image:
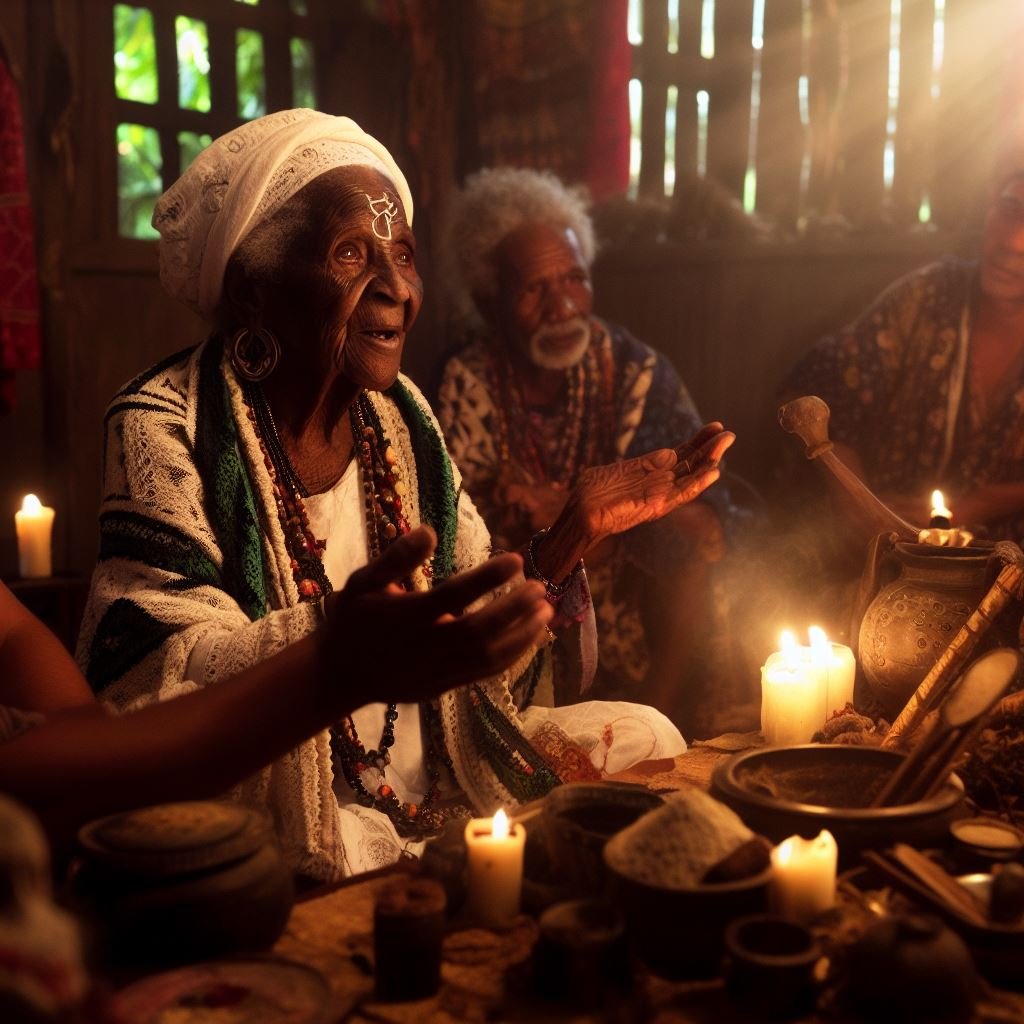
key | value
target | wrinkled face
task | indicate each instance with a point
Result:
(544, 295)
(1002, 253)
(346, 291)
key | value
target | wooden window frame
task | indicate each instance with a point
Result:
(97, 219)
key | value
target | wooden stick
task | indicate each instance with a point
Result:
(905, 880)
(807, 417)
(945, 670)
(940, 882)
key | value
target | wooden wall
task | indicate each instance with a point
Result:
(732, 317)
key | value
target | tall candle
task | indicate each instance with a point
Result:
(803, 881)
(33, 523)
(495, 863)
(794, 689)
(801, 686)
(840, 670)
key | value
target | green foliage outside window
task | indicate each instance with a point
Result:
(193, 64)
(139, 179)
(303, 76)
(134, 54)
(252, 96)
(190, 145)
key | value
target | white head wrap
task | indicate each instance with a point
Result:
(241, 179)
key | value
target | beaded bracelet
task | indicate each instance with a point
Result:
(554, 590)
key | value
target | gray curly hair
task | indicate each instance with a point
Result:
(492, 204)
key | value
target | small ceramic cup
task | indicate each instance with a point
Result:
(769, 966)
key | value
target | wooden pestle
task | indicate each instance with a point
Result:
(807, 417)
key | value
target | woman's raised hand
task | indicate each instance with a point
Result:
(405, 645)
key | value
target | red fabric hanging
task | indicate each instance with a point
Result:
(550, 83)
(19, 292)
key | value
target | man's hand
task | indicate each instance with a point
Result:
(398, 645)
(611, 499)
(614, 498)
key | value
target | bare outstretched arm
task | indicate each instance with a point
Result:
(85, 762)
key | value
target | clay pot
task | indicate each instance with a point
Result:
(922, 596)
(769, 966)
(912, 970)
(578, 820)
(182, 882)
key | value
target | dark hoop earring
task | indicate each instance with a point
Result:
(254, 353)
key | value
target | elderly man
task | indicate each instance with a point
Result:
(541, 389)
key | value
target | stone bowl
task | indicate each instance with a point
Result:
(800, 790)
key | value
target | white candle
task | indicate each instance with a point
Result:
(803, 881)
(839, 667)
(794, 688)
(495, 861)
(33, 523)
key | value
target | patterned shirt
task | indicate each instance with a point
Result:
(897, 382)
(630, 401)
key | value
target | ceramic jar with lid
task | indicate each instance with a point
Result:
(182, 882)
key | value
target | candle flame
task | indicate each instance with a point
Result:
(819, 641)
(939, 505)
(499, 825)
(31, 503)
(784, 851)
(788, 644)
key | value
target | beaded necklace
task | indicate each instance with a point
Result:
(583, 440)
(383, 489)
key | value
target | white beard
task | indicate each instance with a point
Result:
(561, 359)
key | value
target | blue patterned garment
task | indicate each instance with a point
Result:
(891, 381)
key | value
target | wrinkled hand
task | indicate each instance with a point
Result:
(614, 498)
(401, 646)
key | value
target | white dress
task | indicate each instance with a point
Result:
(369, 838)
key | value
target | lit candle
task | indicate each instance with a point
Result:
(495, 861)
(940, 515)
(941, 532)
(839, 667)
(803, 881)
(33, 523)
(794, 691)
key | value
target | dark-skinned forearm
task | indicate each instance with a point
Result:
(558, 552)
(82, 765)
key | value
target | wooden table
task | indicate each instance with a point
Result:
(486, 973)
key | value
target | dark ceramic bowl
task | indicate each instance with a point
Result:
(579, 818)
(784, 791)
(769, 966)
(182, 882)
(678, 932)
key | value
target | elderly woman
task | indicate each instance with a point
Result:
(255, 485)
